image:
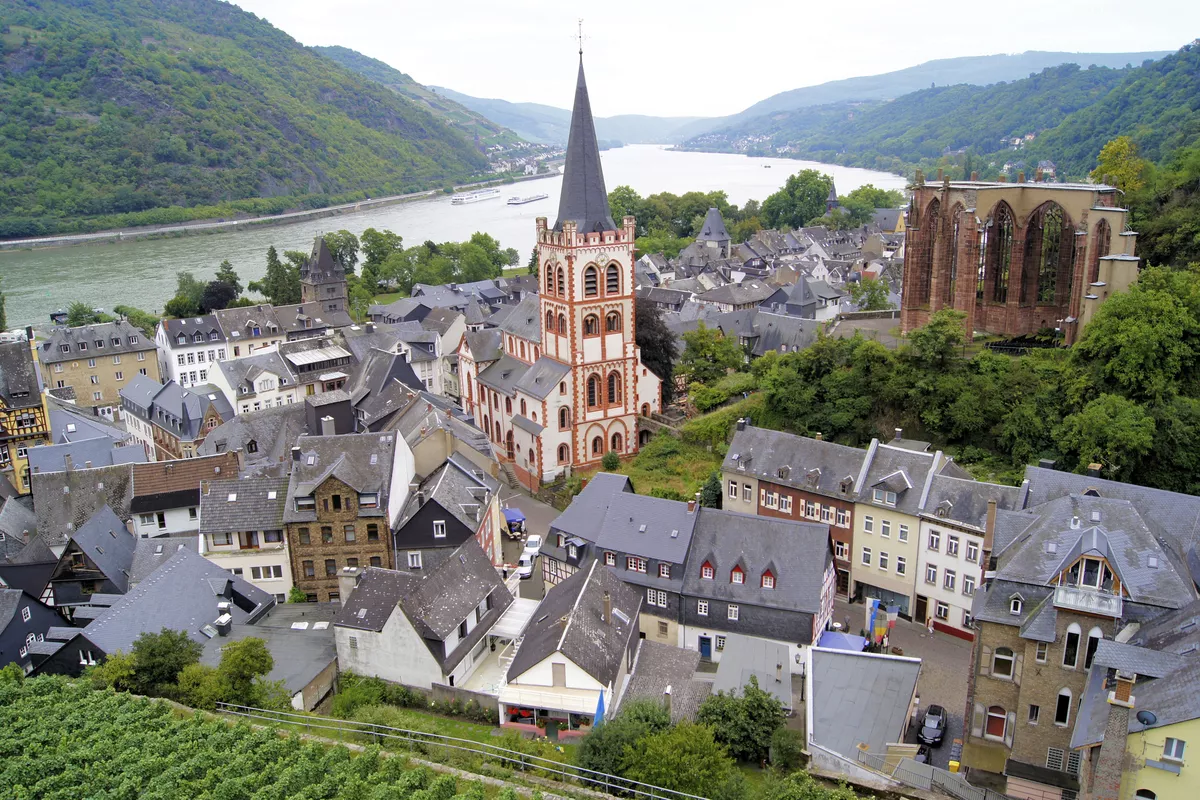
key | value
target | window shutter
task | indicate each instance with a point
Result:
(1017, 668)
(985, 660)
(977, 720)
(1008, 729)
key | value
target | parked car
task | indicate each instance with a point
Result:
(924, 755)
(532, 545)
(525, 565)
(933, 727)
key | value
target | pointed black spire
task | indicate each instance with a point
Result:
(584, 199)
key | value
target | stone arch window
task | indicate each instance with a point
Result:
(562, 282)
(1062, 708)
(593, 391)
(508, 405)
(1050, 248)
(549, 280)
(614, 388)
(645, 409)
(532, 460)
(1094, 637)
(1071, 646)
(923, 274)
(591, 325)
(612, 322)
(521, 345)
(564, 419)
(952, 276)
(523, 412)
(997, 252)
(591, 282)
(1002, 662)
(487, 424)
(550, 322)
(597, 445)
(618, 443)
(562, 324)
(564, 454)
(612, 279)
(1099, 250)
(497, 430)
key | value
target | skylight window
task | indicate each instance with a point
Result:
(232, 496)
(312, 460)
(271, 495)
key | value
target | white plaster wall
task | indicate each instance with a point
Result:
(542, 674)
(958, 602)
(178, 521)
(403, 469)
(891, 544)
(395, 654)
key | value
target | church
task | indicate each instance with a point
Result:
(560, 382)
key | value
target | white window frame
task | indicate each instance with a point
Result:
(883, 560)
(414, 559)
(866, 557)
(733, 490)
(901, 565)
(702, 608)
(732, 613)
(931, 572)
(885, 528)
(1173, 749)
(439, 529)
(868, 524)
(935, 541)
(942, 610)
(903, 534)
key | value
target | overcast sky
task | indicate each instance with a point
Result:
(706, 58)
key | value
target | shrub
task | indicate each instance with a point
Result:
(611, 462)
(787, 749)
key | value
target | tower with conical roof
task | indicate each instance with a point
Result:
(323, 279)
(587, 310)
(831, 202)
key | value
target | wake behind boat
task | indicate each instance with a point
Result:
(520, 201)
(463, 198)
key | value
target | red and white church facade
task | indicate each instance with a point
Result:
(560, 381)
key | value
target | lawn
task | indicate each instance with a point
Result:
(668, 467)
(389, 297)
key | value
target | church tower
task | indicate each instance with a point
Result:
(323, 280)
(587, 302)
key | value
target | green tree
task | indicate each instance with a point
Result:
(200, 686)
(115, 672)
(603, 749)
(158, 658)
(802, 198)
(800, 785)
(378, 246)
(940, 339)
(610, 462)
(532, 266)
(657, 343)
(871, 294)
(710, 493)
(79, 313)
(216, 296)
(281, 284)
(511, 256)
(685, 757)
(343, 246)
(1112, 431)
(623, 201)
(243, 664)
(146, 323)
(743, 724)
(708, 355)
(226, 274)
(875, 198)
(1119, 162)
(296, 595)
(400, 268)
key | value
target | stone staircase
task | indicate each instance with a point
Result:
(510, 477)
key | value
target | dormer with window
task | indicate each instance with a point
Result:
(181, 339)
(813, 477)
(308, 503)
(884, 496)
(1016, 604)
(783, 472)
(706, 571)
(768, 580)
(846, 485)
(737, 575)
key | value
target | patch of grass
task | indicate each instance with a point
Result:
(666, 465)
(388, 297)
(515, 272)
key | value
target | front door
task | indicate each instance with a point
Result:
(922, 609)
(705, 648)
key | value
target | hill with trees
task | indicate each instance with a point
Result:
(128, 112)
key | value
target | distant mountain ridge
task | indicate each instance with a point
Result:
(135, 112)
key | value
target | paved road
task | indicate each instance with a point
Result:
(538, 517)
(945, 662)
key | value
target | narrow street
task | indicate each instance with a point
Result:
(538, 517)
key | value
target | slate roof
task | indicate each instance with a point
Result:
(109, 545)
(1141, 660)
(381, 385)
(527, 425)
(893, 467)
(569, 621)
(18, 378)
(376, 595)
(461, 488)
(967, 500)
(238, 323)
(796, 553)
(99, 452)
(18, 525)
(486, 345)
(887, 218)
(738, 294)
(293, 317)
(252, 509)
(429, 413)
(273, 431)
(64, 501)
(779, 331)
(713, 229)
(403, 309)
(525, 319)
(321, 266)
(584, 517)
(205, 325)
(150, 554)
(583, 200)
(440, 320)
(658, 667)
(140, 391)
(767, 453)
(131, 340)
(859, 698)
(36, 552)
(362, 461)
(362, 339)
(32, 578)
(10, 601)
(243, 372)
(504, 374)
(1176, 631)
(299, 655)
(182, 595)
(992, 603)
(1172, 698)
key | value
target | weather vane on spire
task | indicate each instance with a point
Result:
(580, 36)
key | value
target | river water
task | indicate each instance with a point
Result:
(142, 273)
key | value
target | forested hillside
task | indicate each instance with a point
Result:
(454, 114)
(111, 111)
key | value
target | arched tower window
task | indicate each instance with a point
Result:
(597, 446)
(591, 325)
(952, 278)
(593, 391)
(612, 280)
(618, 442)
(591, 282)
(550, 322)
(612, 322)
(549, 280)
(563, 454)
(562, 282)
(562, 325)
(564, 419)
(523, 412)
(1053, 239)
(614, 388)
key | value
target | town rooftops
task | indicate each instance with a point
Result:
(571, 620)
(18, 524)
(18, 379)
(240, 323)
(362, 461)
(68, 425)
(525, 320)
(542, 377)
(242, 504)
(584, 517)
(966, 501)
(310, 317)
(376, 595)
(243, 373)
(150, 554)
(105, 540)
(461, 488)
(739, 294)
(180, 333)
(83, 454)
(94, 341)
(504, 374)
(64, 501)
(264, 437)
(169, 484)
(814, 465)
(485, 345)
(859, 698)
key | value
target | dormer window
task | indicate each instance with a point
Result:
(846, 485)
(198, 337)
(737, 576)
(306, 504)
(99, 344)
(83, 345)
(768, 580)
(212, 337)
(572, 551)
(885, 496)
(257, 331)
(706, 571)
(133, 340)
(1015, 605)
(182, 339)
(116, 342)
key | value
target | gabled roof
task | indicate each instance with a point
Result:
(382, 385)
(166, 477)
(895, 468)
(737, 294)
(504, 374)
(129, 340)
(238, 323)
(205, 326)
(485, 345)
(584, 517)
(18, 526)
(860, 698)
(97, 452)
(272, 431)
(789, 460)
(461, 488)
(524, 321)
(105, 540)
(376, 595)
(570, 621)
(312, 316)
(542, 377)
(64, 501)
(321, 266)
(362, 461)
(242, 504)
(713, 229)
(150, 554)
(18, 379)
(583, 200)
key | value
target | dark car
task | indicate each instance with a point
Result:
(924, 755)
(933, 727)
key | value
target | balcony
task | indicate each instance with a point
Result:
(1089, 601)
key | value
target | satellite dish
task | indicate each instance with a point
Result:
(1147, 718)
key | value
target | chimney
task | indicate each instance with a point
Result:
(224, 622)
(87, 465)
(607, 618)
(820, 437)
(420, 499)
(327, 426)
(1021, 176)
(370, 327)
(941, 174)
(667, 699)
(1094, 469)
(899, 433)
(347, 580)
(974, 176)
(989, 538)
(67, 463)
(1110, 763)
(296, 454)
(741, 423)
(1037, 176)
(1003, 178)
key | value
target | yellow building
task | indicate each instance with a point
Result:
(23, 418)
(97, 361)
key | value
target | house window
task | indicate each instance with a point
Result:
(785, 503)
(997, 721)
(733, 490)
(348, 532)
(303, 534)
(26, 614)
(656, 598)
(720, 642)
(768, 581)
(376, 561)
(414, 560)
(943, 611)
(1062, 709)
(663, 628)
(330, 568)
(840, 550)
(308, 569)
(901, 565)
(885, 528)
(572, 551)
(635, 564)
(949, 579)
(972, 552)
(706, 571)
(702, 608)
(843, 518)
(904, 533)
(1173, 749)
(1042, 650)
(439, 529)
(1034, 713)
(951, 545)
(326, 534)
(1094, 637)
(968, 586)
(1071, 646)
(935, 540)
(610, 559)
(732, 613)
(868, 524)
(564, 454)
(866, 556)
(931, 573)
(664, 571)
(883, 560)
(1002, 662)
(1015, 605)
(746, 493)
(737, 576)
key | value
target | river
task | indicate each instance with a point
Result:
(141, 273)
